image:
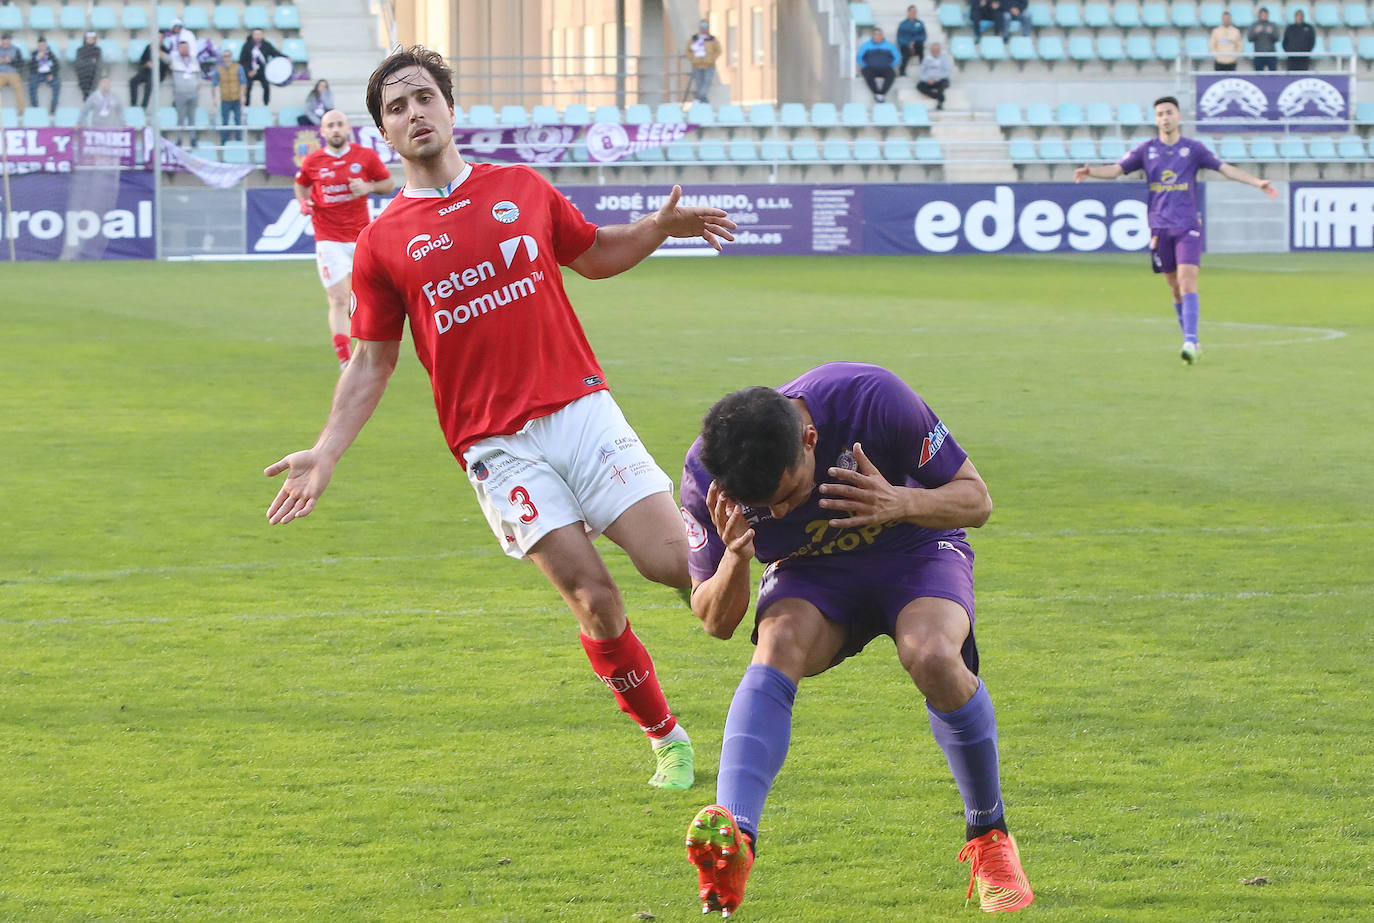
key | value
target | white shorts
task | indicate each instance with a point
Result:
(334, 260)
(582, 463)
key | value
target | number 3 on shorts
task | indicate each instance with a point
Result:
(521, 497)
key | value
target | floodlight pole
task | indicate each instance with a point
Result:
(620, 56)
(155, 62)
(5, 165)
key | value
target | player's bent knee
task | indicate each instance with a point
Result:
(933, 663)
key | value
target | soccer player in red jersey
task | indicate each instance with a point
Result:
(470, 255)
(332, 187)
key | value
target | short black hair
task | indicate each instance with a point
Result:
(1167, 99)
(414, 56)
(749, 439)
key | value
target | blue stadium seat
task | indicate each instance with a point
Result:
(111, 49)
(11, 20)
(854, 114)
(730, 114)
(253, 116)
(681, 151)
(72, 18)
(916, 115)
(196, 19)
(1052, 148)
(824, 113)
(1081, 49)
(962, 48)
(514, 116)
(1112, 149)
(928, 150)
(1263, 148)
(763, 115)
(1131, 114)
(35, 117)
(1293, 148)
(992, 48)
(1154, 15)
(256, 16)
(1209, 14)
(1082, 149)
(712, 150)
(227, 18)
(66, 50)
(205, 151)
(544, 114)
(806, 149)
(1021, 48)
(604, 115)
(1039, 115)
(135, 116)
(482, 116)
(1099, 114)
(1097, 15)
(238, 152)
(66, 117)
(166, 15)
(294, 48)
(1320, 148)
(9, 118)
(1351, 147)
(1197, 47)
(1140, 49)
(862, 15)
(1110, 49)
(1069, 114)
(793, 115)
(1356, 15)
(898, 150)
(650, 155)
(232, 45)
(885, 115)
(836, 150)
(952, 15)
(1168, 47)
(288, 115)
(1232, 149)
(667, 113)
(743, 149)
(1041, 14)
(773, 150)
(867, 149)
(1126, 15)
(1242, 14)
(1067, 15)
(1341, 46)
(638, 114)
(697, 114)
(1022, 150)
(42, 19)
(1183, 15)
(286, 17)
(1008, 114)
(1366, 48)
(1051, 48)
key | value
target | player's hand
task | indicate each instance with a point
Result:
(359, 187)
(864, 494)
(728, 518)
(309, 476)
(1268, 188)
(306, 208)
(711, 224)
(1082, 173)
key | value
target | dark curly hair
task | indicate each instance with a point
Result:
(414, 56)
(749, 440)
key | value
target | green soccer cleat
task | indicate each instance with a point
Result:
(1190, 353)
(676, 766)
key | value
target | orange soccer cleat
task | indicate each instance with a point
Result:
(996, 864)
(723, 855)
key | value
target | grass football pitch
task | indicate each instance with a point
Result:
(372, 714)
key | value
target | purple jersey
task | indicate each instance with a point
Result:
(849, 402)
(1171, 171)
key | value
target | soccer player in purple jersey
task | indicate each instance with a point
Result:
(853, 492)
(1171, 162)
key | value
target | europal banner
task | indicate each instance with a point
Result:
(1331, 216)
(1298, 101)
(86, 215)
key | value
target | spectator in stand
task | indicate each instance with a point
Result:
(11, 59)
(178, 34)
(88, 61)
(986, 14)
(1014, 11)
(186, 79)
(44, 71)
(257, 51)
(702, 51)
(911, 39)
(229, 82)
(1264, 35)
(102, 108)
(878, 60)
(933, 80)
(317, 102)
(1226, 44)
(1298, 40)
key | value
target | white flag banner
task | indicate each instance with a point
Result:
(211, 172)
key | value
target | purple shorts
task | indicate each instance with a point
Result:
(1171, 247)
(866, 592)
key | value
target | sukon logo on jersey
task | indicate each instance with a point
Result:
(934, 439)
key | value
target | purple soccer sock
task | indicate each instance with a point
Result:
(758, 730)
(1178, 312)
(968, 736)
(1190, 313)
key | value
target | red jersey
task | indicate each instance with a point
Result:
(338, 215)
(475, 267)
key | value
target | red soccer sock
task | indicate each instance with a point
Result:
(341, 347)
(624, 665)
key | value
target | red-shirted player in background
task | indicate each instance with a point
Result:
(470, 255)
(332, 187)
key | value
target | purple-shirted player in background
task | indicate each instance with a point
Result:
(852, 491)
(1171, 163)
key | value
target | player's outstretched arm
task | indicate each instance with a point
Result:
(621, 246)
(1104, 171)
(870, 499)
(1240, 176)
(722, 600)
(359, 390)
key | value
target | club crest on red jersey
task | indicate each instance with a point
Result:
(505, 211)
(934, 439)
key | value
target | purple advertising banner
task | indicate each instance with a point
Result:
(38, 150)
(1297, 101)
(87, 215)
(1331, 216)
(107, 147)
(286, 147)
